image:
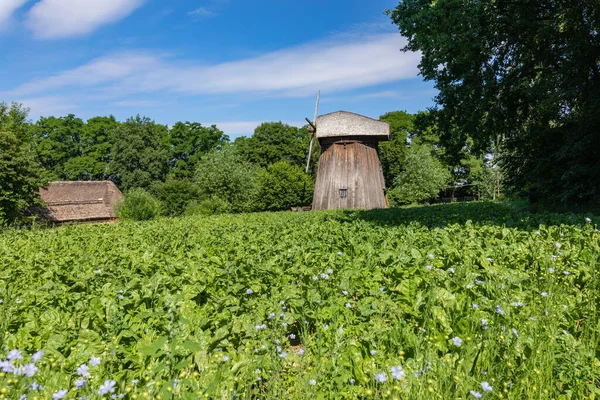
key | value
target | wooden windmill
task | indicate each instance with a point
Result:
(349, 173)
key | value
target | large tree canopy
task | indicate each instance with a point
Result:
(522, 75)
(273, 142)
(140, 153)
(19, 174)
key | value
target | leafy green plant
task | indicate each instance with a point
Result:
(139, 205)
(414, 303)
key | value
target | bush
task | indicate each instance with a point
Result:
(211, 206)
(422, 179)
(175, 195)
(139, 205)
(282, 186)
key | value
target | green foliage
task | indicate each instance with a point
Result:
(211, 206)
(222, 174)
(392, 153)
(175, 195)
(169, 300)
(283, 186)
(189, 141)
(522, 76)
(56, 143)
(272, 142)
(422, 178)
(19, 175)
(139, 205)
(140, 153)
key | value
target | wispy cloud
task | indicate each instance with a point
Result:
(331, 65)
(7, 8)
(53, 19)
(202, 12)
(48, 105)
(239, 128)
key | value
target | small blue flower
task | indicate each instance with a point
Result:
(314, 278)
(345, 292)
(312, 382)
(37, 356)
(107, 387)
(486, 387)
(261, 327)
(499, 310)
(324, 276)
(348, 305)
(373, 352)
(83, 370)
(29, 370)
(457, 341)
(398, 373)
(292, 336)
(249, 291)
(225, 358)
(94, 361)
(381, 377)
(544, 294)
(283, 355)
(272, 315)
(475, 394)
(80, 383)
(14, 355)
(429, 267)
(300, 352)
(475, 305)
(330, 271)
(61, 394)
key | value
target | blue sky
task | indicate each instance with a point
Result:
(234, 63)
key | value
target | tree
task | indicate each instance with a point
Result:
(19, 173)
(56, 143)
(222, 174)
(189, 141)
(96, 142)
(421, 179)
(522, 76)
(283, 186)
(140, 153)
(392, 153)
(272, 142)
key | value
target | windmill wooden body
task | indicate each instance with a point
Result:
(349, 173)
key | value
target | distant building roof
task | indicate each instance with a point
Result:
(344, 123)
(79, 201)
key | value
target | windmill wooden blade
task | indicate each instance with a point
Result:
(314, 126)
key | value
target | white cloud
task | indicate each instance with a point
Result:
(202, 12)
(238, 128)
(52, 19)
(48, 105)
(7, 8)
(331, 66)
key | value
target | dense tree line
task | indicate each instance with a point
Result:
(189, 168)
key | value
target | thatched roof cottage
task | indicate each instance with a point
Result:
(79, 201)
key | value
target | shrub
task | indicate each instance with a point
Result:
(422, 179)
(210, 206)
(139, 205)
(175, 195)
(282, 186)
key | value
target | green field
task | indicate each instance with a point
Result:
(416, 303)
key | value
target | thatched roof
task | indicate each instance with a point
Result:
(344, 123)
(79, 201)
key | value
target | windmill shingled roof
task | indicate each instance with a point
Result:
(344, 123)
